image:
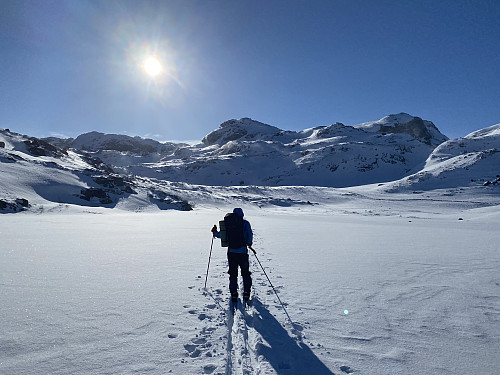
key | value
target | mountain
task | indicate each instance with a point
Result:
(248, 152)
(35, 172)
(244, 160)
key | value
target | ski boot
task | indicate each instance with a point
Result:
(234, 297)
(246, 296)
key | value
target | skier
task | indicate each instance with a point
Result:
(239, 235)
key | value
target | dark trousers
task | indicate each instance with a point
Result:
(236, 260)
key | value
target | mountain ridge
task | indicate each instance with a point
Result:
(238, 153)
(398, 153)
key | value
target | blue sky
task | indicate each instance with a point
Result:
(69, 67)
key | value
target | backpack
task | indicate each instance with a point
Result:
(231, 230)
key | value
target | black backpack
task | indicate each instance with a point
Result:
(233, 224)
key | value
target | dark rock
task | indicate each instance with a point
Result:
(22, 202)
(116, 184)
(129, 190)
(346, 369)
(415, 127)
(2, 144)
(110, 181)
(185, 206)
(90, 193)
(98, 163)
(106, 200)
(168, 201)
(39, 147)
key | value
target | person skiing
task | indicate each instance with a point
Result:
(239, 237)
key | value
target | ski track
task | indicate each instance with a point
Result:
(252, 339)
(402, 313)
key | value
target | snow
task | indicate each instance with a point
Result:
(394, 277)
(491, 131)
(109, 291)
(459, 162)
(321, 156)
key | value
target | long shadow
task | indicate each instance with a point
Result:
(286, 354)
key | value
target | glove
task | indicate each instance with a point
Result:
(251, 248)
(214, 229)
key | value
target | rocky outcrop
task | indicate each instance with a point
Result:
(39, 147)
(19, 204)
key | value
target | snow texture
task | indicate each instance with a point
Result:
(116, 292)
(388, 269)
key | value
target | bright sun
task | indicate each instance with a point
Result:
(152, 66)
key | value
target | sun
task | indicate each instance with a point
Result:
(152, 66)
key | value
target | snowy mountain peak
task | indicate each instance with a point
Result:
(242, 129)
(423, 130)
(492, 131)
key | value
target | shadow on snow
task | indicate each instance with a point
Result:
(286, 354)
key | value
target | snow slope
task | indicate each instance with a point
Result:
(372, 286)
(36, 175)
(472, 160)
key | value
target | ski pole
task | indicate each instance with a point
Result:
(270, 283)
(210, 256)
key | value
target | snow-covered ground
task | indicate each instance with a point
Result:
(374, 284)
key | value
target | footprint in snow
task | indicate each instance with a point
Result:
(197, 345)
(207, 331)
(203, 316)
(195, 354)
(192, 350)
(208, 369)
(346, 369)
(297, 329)
(199, 341)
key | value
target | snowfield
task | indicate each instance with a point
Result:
(105, 245)
(406, 285)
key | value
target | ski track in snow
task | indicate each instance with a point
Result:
(83, 296)
(256, 341)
